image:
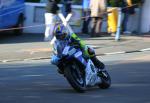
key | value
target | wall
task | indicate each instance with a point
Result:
(145, 25)
(32, 18)
(134, 20)
(35, 16)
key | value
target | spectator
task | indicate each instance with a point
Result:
(86, 13)
(67, 7)
(128, 10)
(98, 8)
(50, 18)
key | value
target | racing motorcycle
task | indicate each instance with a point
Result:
(79, 71)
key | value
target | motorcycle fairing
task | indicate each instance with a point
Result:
(74, 53)
(91, 74)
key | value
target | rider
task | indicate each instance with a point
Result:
(62, 34)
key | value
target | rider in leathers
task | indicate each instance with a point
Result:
(62, 34)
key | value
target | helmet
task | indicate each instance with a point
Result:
(60, 32)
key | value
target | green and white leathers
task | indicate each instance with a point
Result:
(76, 40)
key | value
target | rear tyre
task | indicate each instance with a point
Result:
(106, 81)
(19, 25)
(75, 76)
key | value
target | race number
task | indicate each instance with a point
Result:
(78, 54)
(65, 51)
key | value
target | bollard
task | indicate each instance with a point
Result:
(117, 37)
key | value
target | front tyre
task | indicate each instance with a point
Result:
(75, 76)
(106, 81)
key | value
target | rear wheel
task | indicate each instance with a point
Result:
(75, 76)
(19, 25)
(106, 81)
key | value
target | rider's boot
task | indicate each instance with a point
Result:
(100, 66)
(98, 63)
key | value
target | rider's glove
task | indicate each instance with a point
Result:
(89, 51)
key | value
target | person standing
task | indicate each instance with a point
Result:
(127, 9)
(86, 14)
(67, 7)
(50, 18)
(98, 8)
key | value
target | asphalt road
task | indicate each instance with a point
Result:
(39, 82)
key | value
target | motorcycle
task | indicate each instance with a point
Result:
(79, 71)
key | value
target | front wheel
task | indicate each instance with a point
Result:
(106, 81)
(75, 76)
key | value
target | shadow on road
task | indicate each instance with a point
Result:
(130, 84)
(10, 38)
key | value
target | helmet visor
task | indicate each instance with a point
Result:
(61, 36)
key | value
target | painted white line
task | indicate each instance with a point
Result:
(33, 97)
(39, 58)
(4, 61)
(147, 49)
(10, 60)
(36, 58)
(94, 46)
(32, 75)
(122, 52)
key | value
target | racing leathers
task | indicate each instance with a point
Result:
(87, 50)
